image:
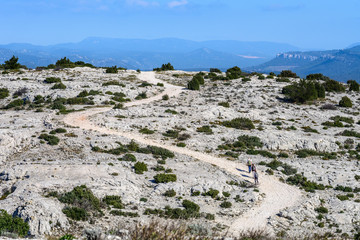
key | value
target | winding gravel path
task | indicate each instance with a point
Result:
(277, 194)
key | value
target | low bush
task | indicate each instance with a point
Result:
(317, 76)
(171, 133)
(124, 214)
(140, 167)
(76, 213)
(302, 181)
(333, 86)
(50, 139)
(205, 129)
(13, 224)
(199, 77)
(263, 153)
(345, 102)
(165, 178)
(350, 133)
(58, 130)
(4, 93)
(165, 67)
(79, 101)
(224, 104)
(233, 73)
(321, 209)
(50, 80)
(146, 131)
(303, 153)
(239, 123)
(81, 197)
(353, 85)
(213, 193)
(246, 80)
(170, 193)
(15, 103)
(165, 97)
(215, 70)
(59, 86)
(141, 96)
(226, 204)
(303, 91)
(171, 111)
(112, 69)
(287, 74)
(114, 201)
(113, 82)
(193, 85)
(128, 158)
(162, 152)
(283, 80)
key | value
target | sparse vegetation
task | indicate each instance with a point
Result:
(12, 224)
(239, 123)
(140, 167)
(165, 178)
(165, 67)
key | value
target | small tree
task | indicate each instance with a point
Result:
(353, 85)
(12, 63)
(345, 102)
(287, 74)
(233, 73)
(193, 85)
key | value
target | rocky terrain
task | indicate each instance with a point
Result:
(141, 147)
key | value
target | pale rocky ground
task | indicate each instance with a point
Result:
(30, 169)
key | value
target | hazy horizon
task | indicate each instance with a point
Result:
(304, 24)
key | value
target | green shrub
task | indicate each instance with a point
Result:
(353, 85)
(261, 77)
(287, 74)
(213, 193)
(321, 209)
(146, 131)
(342, 197)
(4, 93)
(76, 213)
(193, 85)
(165, 97)
(274, 164)
(181, 144)
(79, 101)
(303, 153)
(124, 214)
(113, 82)
(112, 69)
(233, 73)
(50, 80)
(12, 63)
(303, 91)
(170, 193)
(171, 111)
(162, 152)
(345, 102)
(333, 86)
(165, 178)
(226, 194)
(205, 129)
(141, 96)
(67, 237)
(215, 70)
(13, 224)
(81, 197)
(59, 86)
(58, 130)
(224, 104)
(114, 201)
(15, 103)
(239, 123)
(171, 133)
(198, 77)
(158, 168)
(283, 155)
(246, 80)
(283, 80)
(226, 204)
(317, 76)
(302, 181)
(350, 133)
(349, 120)
(190, 207)
(263, 153)
(165, 67)
(50, 139)
(128, 158)
(195, 193)
(140, 167)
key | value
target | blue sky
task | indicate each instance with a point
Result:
(311, 24)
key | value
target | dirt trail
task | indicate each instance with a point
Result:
(277, 194)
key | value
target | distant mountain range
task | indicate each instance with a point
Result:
(148, 54)
(341, 65)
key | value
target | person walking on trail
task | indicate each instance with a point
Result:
(256, 177)
(253, 168)
(249, 163)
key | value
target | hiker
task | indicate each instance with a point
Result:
(253, 168)
(249, 163)
(256, 177)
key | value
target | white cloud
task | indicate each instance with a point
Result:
(177, 3)
(142, 3)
